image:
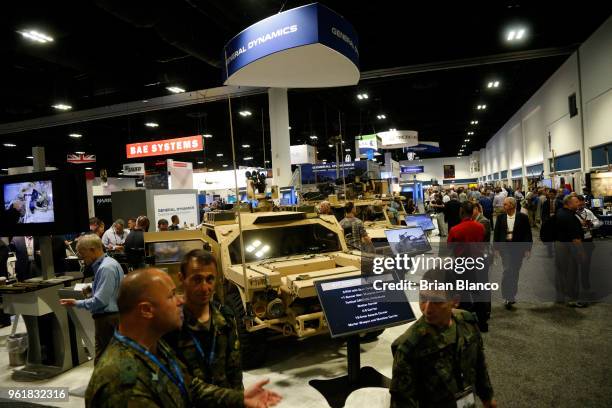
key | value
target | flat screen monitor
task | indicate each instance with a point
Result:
(172, 251)
(597, 203)
(411, 241)
(359, 304)
(421, 220)
(44, 203)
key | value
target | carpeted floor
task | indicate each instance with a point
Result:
(546, 355)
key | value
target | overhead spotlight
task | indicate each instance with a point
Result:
(29, 157)
(362, 96)
(175, 89)
(151, 124)
(246, 146)
(516, 34)
(36, 36)
(248, 158)
(61, 106)
(474, 122)
(347, 150)
(381, 116)
(331, 145)
(80, 152)
(393, 130)
(75, 135)
(225, 165)
(289, 127)
(207, 136)
(200, 162)
(466, 140)
(493, 84)
(245, 113)
(211, 169)
(481, 107)
(470, 133)
(313, 137)
(219, 154)
(10, 145)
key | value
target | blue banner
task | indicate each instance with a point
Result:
(412, 169)
(306, 25)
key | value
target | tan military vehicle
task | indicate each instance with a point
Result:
(273, 290)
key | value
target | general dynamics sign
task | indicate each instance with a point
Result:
(309, 46)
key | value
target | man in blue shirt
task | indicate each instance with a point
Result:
(103, 302)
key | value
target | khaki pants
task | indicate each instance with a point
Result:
(105, 325)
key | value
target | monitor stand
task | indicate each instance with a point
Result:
(337, 390)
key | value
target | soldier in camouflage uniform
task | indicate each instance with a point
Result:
(354, 231)
(440, 361)
(208, 341)
(138, 369)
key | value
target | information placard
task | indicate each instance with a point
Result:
(360, 304)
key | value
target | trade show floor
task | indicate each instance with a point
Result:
(539, 355)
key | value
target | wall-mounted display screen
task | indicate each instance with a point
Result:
(29, 202)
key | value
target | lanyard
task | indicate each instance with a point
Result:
(208, 360)
(177, 378)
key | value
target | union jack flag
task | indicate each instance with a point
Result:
(81, 158)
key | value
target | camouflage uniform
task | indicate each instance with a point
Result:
(424, 362)
(125, 377)
(223, 375)
(353, 226)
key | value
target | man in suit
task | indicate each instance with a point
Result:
(513, 242)
(452, 210)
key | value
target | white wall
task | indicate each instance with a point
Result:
(434, 168)
(523, 140)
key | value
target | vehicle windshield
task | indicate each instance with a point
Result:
(278, 242)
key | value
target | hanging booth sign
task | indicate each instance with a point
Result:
(134, 169)
(396, 139)
(80, 158)
(367, 143)
(425, 147)
(279, 51)
(412, 169)
(301, 154)
(164, 147)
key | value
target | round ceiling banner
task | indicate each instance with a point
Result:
(305, 47)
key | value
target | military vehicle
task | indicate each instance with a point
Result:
(273, 291)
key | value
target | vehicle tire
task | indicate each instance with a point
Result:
(252, 345)
(370, 336)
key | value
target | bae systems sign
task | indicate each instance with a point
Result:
(165, 147)
(272, 52)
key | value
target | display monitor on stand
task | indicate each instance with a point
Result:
(354, 307)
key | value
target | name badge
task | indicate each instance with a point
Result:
(466, 399)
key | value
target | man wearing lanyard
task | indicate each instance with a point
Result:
(114, 237)
(439, 361)
(207, 343)
(589, 222)
(138, 369)
(103, 303)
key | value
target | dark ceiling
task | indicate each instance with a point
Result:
(111, 51)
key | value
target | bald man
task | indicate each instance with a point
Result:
(138, 369)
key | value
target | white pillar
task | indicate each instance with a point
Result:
(279, 130)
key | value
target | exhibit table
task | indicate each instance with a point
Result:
(47, 324)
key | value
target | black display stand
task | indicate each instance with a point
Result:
(337, 390)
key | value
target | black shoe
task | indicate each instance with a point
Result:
(508, 304)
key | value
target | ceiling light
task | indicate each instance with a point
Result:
(381, 116)
(219, 154)
(493, 84)
(80, 152)
(474, 122)
(61, 106)
(175, 89)
(331, 145)
(10, 145)
(225, 165)
(75, 135)
(313, 137)
(211, 169)
(289, 127)
(36, 36)
(29, 157)
(88, 168)
(151, 124)
(470, 133)
(481, 107)
(267, 161)
(207, 136)
(362, 96)
(246, 146)
(466, 140)
(200, 162)
(516, 34)
(248, 158)
(393, 130)
(245, 113)
(4, 169)
(343, 142)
